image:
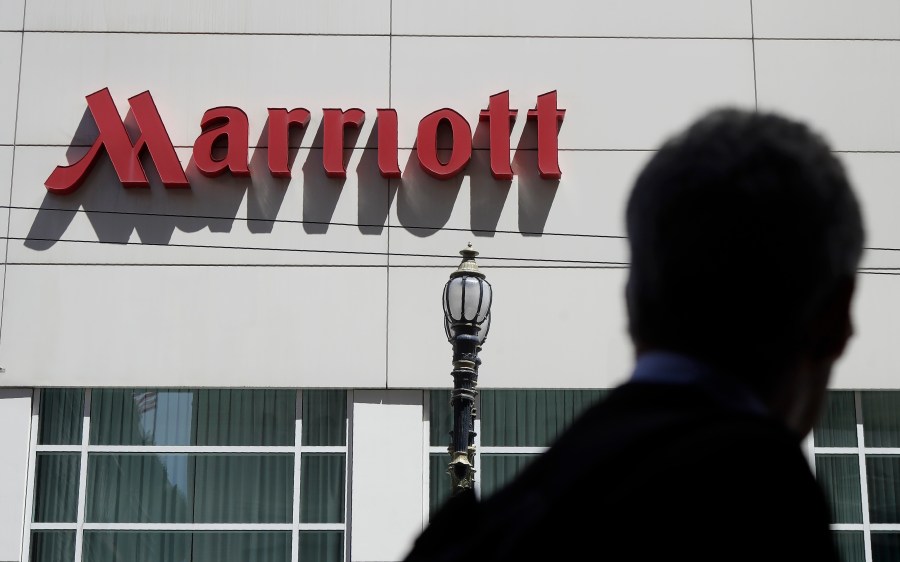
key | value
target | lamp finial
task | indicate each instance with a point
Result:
(468, 265)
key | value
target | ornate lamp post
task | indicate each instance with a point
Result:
(467, 318)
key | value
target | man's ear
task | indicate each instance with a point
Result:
(832, 327)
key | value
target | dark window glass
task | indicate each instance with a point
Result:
(881, 418)
(136, 546)
(850, 545)
(499, 470)
(321, 546)
(438, 480)
(186, 546)
(56, 487)
(531, 418)
(53, 546)
(324, 417)
(182, 488)
(837, 425)
(62, 416)
(245, 417)
(322, 488)
(885, 546)
(441, 418)
(883, 476)
(228, 417)
(839, 477)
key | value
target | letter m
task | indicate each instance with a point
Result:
(125, 156)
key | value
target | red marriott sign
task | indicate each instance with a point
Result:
(230, 124)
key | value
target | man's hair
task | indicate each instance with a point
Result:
(739, 227)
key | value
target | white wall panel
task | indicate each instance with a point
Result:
(10, 46)
(211, 16)
(618, 93)
(199, 72)
(15, 419)
(11, 14)
(847, 89)
(603, 18)
(835, 19)
(871, 360)
(211, 222)
(387, 444)
(6, 161)
(560, 328)
(6, 158)
(194, 326)
(876, 178)
(503, 249)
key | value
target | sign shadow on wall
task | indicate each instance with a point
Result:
(425, 204)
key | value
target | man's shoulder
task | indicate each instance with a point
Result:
(650, 453)
(649, 434)
(658, 415)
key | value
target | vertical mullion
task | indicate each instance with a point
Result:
(82, 474)
(863, 477)
(32, 465)
(809, 450)
(477, 428)
(348, 465)
(295, 509)
(426, 467)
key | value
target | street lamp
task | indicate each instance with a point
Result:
(467, 319)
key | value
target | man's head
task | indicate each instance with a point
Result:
(745, 238)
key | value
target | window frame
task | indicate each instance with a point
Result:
(85, 448)
(861, 451)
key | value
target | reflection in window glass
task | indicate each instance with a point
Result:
(209, 417)
(141, 416)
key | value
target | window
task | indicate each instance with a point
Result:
(159, 475)
(513, 427)
(857, 462)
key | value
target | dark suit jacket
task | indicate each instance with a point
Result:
(655, 472)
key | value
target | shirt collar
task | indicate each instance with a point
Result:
(664, 367)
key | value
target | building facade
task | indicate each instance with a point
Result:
(221, 330)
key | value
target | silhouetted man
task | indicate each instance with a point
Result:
(745, 238)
